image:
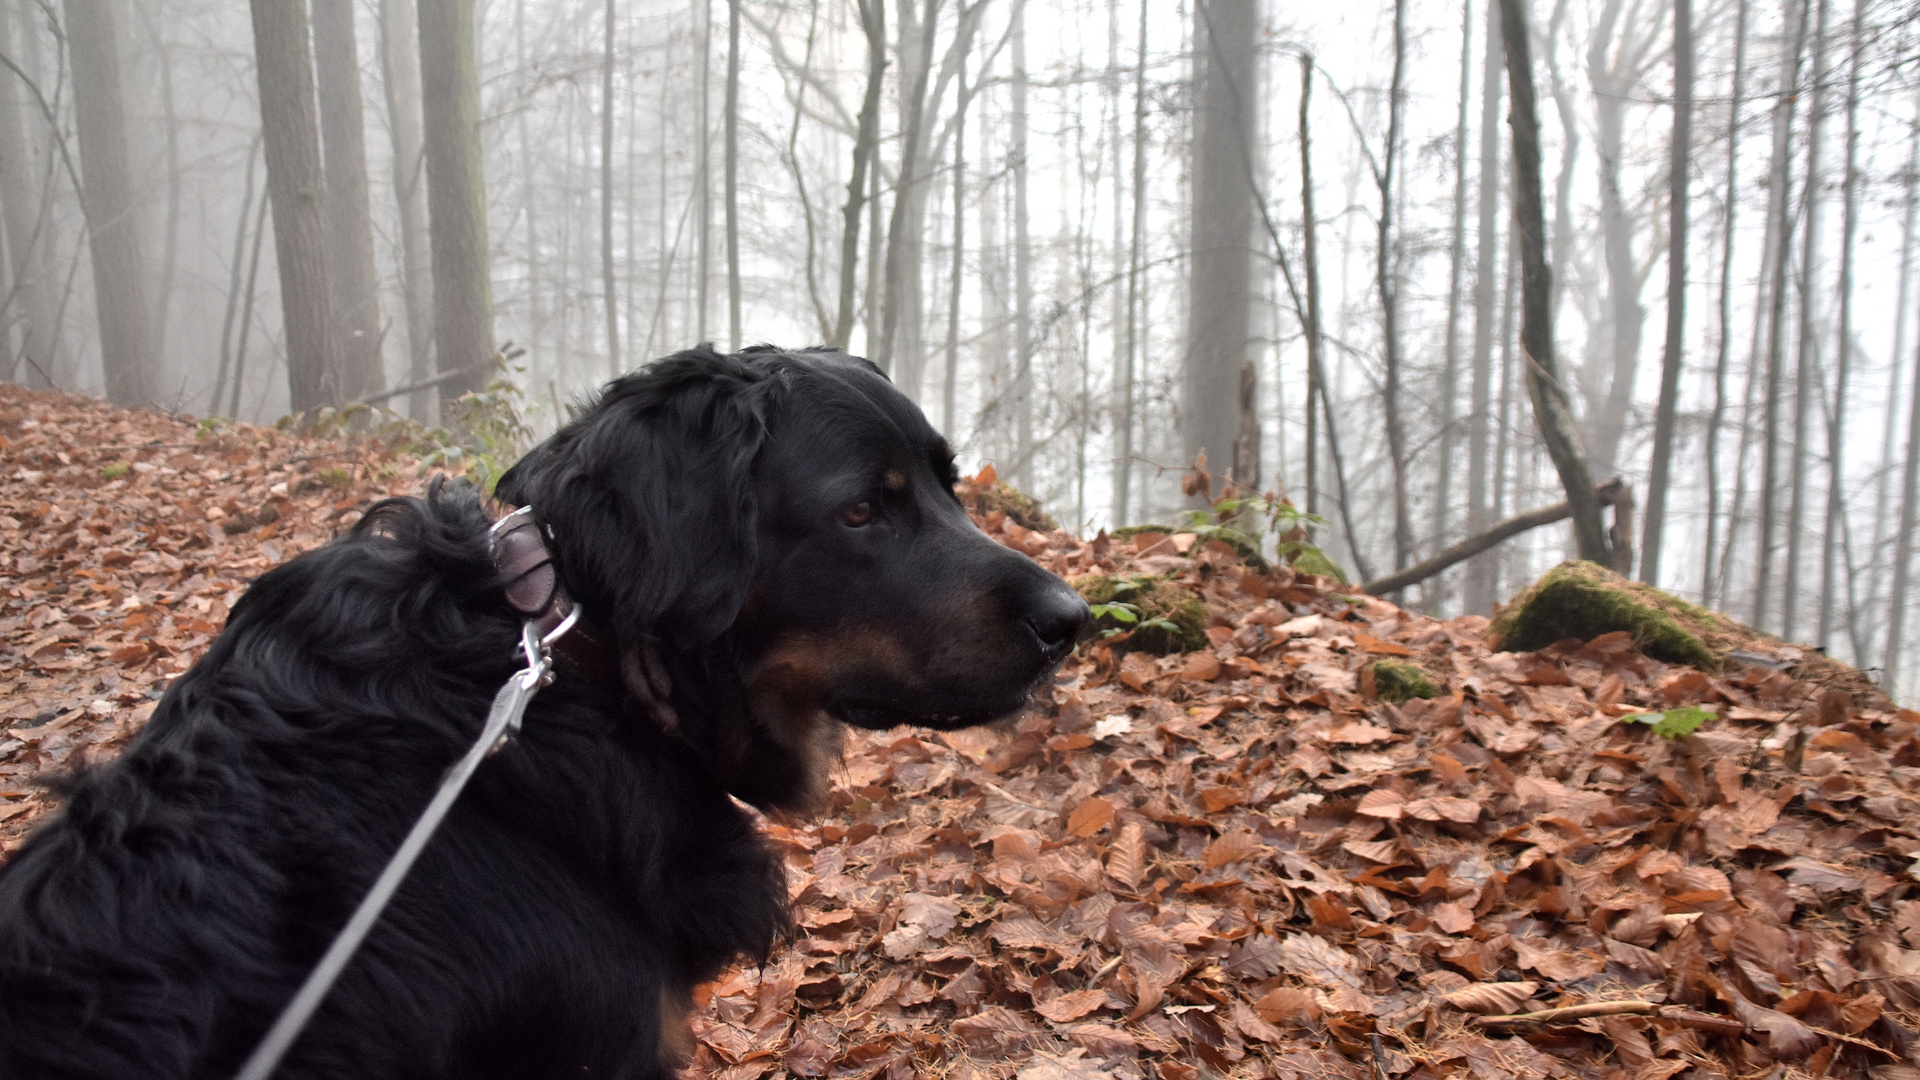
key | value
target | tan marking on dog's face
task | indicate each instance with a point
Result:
(895, 480)
(789, 689)
(676, 1030)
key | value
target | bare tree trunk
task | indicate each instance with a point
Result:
(703, 172)
(1456, 272)
(1843, 347)
(1882, 502)
(1903, 544)
(1111, 88)
(1779, 233)
(956, 272)
(608, 281)
(235, 275)
(1545, 386)
(27, 235)
(1386, 284)
(1220, 293)
(1678, 152)
(1124, 423)
(873, 23)
(170, 241)
(1807, 356)
(732, 175)
(1560, 242)
(246, 305)
(400, 66)
(1614, 63)
(110, 205)
(1022, 260)
(350, 268)
(456, 195)
(915, 48)
(1486, 273)
(298, 188)
(1316, 345)
(1709, 587)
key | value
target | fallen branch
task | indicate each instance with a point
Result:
(1613, 492)
(424, 384)
(1719, 1025)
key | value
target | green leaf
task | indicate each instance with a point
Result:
(1125, 613)
(1673, 723)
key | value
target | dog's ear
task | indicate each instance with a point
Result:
(648, 499)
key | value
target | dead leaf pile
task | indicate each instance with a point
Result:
(1231, 862)
(125, 536)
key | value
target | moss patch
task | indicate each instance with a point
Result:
(1397, 680)
(1021, 508)
(1157, 598)
(1584, 600)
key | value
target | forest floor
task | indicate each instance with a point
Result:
(1234, 862)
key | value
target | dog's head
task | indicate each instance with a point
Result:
(772, 542)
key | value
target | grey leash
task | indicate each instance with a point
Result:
(543, 627)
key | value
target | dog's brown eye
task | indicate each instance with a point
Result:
(858, 514)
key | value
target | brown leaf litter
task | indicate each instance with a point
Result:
(1231, 863)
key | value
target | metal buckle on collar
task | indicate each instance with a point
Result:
(533, 583)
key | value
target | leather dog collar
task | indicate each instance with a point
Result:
(533, 584)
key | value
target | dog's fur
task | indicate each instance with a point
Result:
(763, 544)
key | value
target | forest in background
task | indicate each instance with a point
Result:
(1092, 238)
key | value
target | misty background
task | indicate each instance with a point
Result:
(1076, 232)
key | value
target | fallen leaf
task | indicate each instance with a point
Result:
(1090, 817)
(1492, 998)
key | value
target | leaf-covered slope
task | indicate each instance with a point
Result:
(1237, 861)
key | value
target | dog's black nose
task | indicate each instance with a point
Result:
(1056, 618)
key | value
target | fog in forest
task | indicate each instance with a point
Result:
(1368, 258)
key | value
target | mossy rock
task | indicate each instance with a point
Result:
(1021, 508)
(1243, 545)
(1585, 600)
(1397, 680)
(1157, 598)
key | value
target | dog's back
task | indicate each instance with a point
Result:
(157, 926)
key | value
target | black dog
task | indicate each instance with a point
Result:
(762, 544)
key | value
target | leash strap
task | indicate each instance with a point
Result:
(509, 705)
